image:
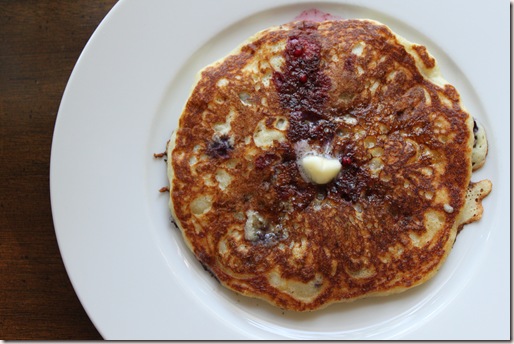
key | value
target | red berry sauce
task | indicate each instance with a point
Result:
(302, 86)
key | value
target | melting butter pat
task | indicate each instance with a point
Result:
(320, 170)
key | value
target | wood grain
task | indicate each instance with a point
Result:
(40, 42)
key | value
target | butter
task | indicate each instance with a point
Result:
(320, 170)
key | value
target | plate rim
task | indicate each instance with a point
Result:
(118, 8)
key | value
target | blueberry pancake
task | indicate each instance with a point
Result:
(324, 162)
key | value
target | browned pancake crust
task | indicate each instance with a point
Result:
(357, 231)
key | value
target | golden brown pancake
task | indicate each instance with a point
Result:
(349, 91)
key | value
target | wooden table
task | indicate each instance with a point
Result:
(40, 42)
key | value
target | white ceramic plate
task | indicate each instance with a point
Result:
(128, 264)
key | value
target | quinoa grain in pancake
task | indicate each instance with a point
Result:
(324, 162)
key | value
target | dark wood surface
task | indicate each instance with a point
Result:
(40, 42)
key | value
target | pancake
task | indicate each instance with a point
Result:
(479, 146)
(324, 162)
